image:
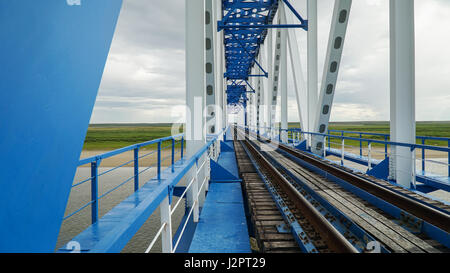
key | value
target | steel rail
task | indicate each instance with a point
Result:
(422, 211)
(335, 240)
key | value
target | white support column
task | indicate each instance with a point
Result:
(166, 219)
(259, 100)
(331, 70)
(296, 68)
(210, 68)
(220, 70)
(192, 195)
(224, 98)
(254, 98)
(262, 82)
(195, 75)
(202, 175)
(402, 77)
(269, 58)
(283, 80)
(254, 101)
(195, 84)
(225, 102)
(312, 64)
(275, 76)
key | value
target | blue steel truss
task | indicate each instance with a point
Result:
(245, 24)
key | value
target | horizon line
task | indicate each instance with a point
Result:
(152, 123)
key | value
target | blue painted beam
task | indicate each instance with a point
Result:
(52, 58)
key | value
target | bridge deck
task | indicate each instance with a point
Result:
(222, 227)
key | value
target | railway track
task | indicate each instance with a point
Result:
(330, 218)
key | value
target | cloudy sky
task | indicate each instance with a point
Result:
(144, 78)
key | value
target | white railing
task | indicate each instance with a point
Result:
(195, 195)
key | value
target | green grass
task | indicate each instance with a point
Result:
(114, 136)
(431, 129)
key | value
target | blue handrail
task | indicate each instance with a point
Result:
(412, 146)
(361, 140)
(95, 162)
(423, 140)
(126, 149)
(383, 135)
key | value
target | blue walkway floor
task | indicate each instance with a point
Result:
(222, 226)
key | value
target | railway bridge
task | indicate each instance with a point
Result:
(237, 180)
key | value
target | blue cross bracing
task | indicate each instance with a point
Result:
(241, 45)
(245, 25)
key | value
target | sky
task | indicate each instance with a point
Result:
(144, 77)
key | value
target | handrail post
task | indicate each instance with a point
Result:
(386, 147)
(413, 155)
(343, 151)
(195, 191)
(207, 168)
(360, 145)
(136, 169)
(423, 156)
(369, 162)
(159, 160)
(182, 146)
(173, 154)
(94, 190)
(166, 219)
(329, 139)
(325, 148)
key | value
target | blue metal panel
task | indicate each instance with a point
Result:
(435, 181)
(219, 172)
(225, 169)
(222, 227)
(380, 171)
(52, 58)
(302, 146)
(226, 146)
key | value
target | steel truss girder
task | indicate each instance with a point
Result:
(243, 46)
(245, 25)
(296, 68)
(331, 70)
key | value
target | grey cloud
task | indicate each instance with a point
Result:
(145, 73)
